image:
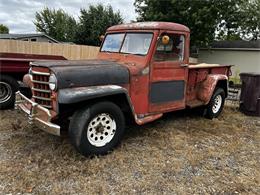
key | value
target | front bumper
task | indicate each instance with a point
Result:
(37, 114)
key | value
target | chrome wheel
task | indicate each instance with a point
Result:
(101, 130)
(217, 104)
(5, 92)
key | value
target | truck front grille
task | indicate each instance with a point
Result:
(40, 90)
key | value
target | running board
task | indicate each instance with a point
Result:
(146, 119)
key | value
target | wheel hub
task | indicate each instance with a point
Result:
(101, 130)
(217, 104)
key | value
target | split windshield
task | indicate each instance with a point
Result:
(129, 43)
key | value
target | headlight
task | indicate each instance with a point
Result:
(53, 82)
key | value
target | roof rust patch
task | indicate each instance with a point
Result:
(150, 26)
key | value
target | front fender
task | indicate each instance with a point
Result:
(79, 94)
(207, 87)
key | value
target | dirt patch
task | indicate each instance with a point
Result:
(180, 153)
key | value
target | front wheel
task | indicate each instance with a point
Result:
(216, 104)
(97, 129)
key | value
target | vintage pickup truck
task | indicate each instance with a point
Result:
(142, 71)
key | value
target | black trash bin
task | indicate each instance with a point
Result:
(250, 94)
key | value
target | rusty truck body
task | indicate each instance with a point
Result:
(142, 71)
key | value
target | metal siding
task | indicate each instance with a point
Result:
(244, 61)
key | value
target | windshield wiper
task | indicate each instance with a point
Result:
(138, 54)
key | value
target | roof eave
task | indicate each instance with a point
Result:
(232, 49)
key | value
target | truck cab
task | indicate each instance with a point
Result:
(142, 71)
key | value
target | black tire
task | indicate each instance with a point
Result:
(214, 111)
(80, 128)
(8, 87)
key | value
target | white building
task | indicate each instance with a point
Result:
(38, 37)
(245, 55)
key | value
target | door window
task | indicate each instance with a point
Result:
(173, 51)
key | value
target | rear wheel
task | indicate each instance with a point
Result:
(97, 129)
(216, 104)
(8, 87)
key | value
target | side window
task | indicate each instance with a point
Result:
(173, 51)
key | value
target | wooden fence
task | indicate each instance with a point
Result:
(69, 51)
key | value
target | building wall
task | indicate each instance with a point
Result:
(244, 61)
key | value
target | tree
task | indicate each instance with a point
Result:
(57, 24)
(207, 19)
(4, 29)
(239, 19)
(251, 20)
(94, 21)
(200, 16)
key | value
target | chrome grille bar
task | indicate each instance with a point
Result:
(41, 73)
(42, 98)
(41, 90)
(41, 82)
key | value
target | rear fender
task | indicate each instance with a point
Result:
(207, 87)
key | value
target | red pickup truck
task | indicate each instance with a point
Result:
(142, 72)
(13, 66)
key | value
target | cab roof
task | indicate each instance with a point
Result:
(150, 26)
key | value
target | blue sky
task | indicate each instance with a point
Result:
(18, 15)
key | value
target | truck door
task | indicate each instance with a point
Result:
(169, 72)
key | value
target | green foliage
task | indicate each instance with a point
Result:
(4, 29)
(251, 20)
(94, 21)
(57, 24)
(199, 16)
(238, 19)
(207, 19)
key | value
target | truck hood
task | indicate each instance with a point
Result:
(79, 73)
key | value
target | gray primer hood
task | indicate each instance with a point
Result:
(82, 73)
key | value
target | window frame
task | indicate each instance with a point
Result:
(183, 51)
(137, 33)
(125, 33)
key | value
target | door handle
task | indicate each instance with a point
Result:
(184, 65)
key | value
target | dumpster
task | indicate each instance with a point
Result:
(250, 94)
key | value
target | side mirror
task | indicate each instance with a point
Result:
(101, 38)
(165, 39)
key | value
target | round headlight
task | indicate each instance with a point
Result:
(53, 82)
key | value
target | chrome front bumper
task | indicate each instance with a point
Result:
(37, 114)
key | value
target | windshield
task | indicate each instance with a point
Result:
(130, 43)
